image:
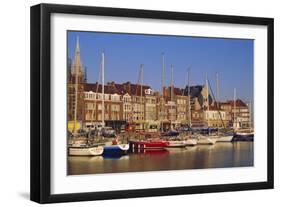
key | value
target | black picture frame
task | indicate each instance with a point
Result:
(41, 102)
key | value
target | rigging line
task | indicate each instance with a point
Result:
(215, 101)
(97, 87)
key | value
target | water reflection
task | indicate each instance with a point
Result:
(115, 157)
(236, 154)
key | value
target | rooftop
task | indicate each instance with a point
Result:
(238, 103)
(112, 88)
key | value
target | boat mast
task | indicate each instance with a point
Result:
(163, 73)
(234, 107)
(207, 86)
(172, 91)
(217, 89)
(217, 96)
(188, 94)
(76, 87)
(141, 102)
(102, 77)
(76, 95)
(162, 88)
(172, 83)
(141, 68)
(96, 95)
(250, 115)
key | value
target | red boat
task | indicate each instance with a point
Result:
(149, 144)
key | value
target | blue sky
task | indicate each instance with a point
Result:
(231, 58)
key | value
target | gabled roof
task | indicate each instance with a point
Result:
(195, 91)
(95, 87)
(178, 91)
(134, 89)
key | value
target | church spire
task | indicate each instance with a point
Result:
(77, 45)
(77, 64)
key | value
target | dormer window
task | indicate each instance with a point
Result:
(148, 91)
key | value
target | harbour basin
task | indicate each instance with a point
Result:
(220, 155)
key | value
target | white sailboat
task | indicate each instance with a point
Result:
(223, 137)
(176, 143)
(113, 148)
(207, 139)
(190, 140)
(203, 140)
(248, 133)
(85, 150)
(81, 149)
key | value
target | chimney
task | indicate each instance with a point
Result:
(172, 92)
(127, 87)
(164, 92)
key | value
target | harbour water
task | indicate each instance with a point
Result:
(220, 155)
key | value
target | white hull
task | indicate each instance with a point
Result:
(124, 147)
(85, 151)
(191, 142)
(225, 139)
(245, 134)
(207, 140)
(177, 143)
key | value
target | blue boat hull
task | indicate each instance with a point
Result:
(113, 151)
(243, 138)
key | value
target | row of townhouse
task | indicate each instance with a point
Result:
(132, 103)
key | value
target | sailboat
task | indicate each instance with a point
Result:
(78, 148)
(207, 139)
(85, 150)
(153, 143)
(190, 140)
(223, 137)
(113, 148)
(175, 142)
(245, 134)
(171, 136)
